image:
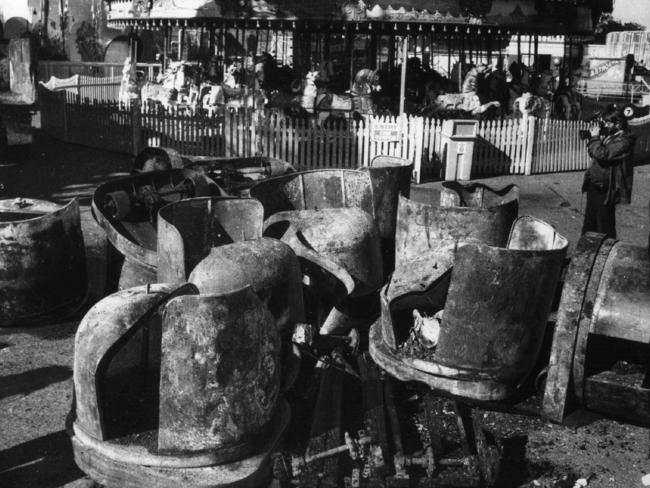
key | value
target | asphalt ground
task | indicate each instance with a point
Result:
(36, 364)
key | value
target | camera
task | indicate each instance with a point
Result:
(585, 135)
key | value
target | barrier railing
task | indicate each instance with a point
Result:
(510, 146)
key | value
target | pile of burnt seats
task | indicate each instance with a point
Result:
(182, 378)
(293, 333)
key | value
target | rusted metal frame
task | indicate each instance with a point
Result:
(566, 327)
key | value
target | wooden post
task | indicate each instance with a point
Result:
(21, 80)
(402, 83)
(136, 123)
(530, 144)
(227, 133)
(64, 113)
(419, 148)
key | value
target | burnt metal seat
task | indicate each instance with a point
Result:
(496, 304)
(42, 262)
(173, 388)
(390, 177)
(427, 233)
(189, 229)
(328, 218)
(216, 244)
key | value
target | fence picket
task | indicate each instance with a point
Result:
(504, 146)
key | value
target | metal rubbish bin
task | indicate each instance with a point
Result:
(458, 138)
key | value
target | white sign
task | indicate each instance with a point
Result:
(385, 132)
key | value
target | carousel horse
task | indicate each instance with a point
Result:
(520, 83)
(129, 86)
(270, 77)
(256, 100)
(309, 92)
(365, 86)
(168, 86)
(496, 88)
(462, 104)
(232, 76)
(470, 102)
(544, 84)
(567, 101)
(532, 105)
(212, 97)
(301, 103)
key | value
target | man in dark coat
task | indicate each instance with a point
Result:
(609, 179)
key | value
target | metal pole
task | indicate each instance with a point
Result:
(402, 85)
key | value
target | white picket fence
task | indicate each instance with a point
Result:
(66, 69)
(510, 146)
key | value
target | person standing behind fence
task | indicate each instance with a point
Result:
(609, 179)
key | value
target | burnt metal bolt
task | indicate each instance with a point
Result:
(351, 446)
(425, 460)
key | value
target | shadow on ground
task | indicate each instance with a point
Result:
(29, 381)
(45, 462)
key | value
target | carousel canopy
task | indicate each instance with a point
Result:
(522, 16)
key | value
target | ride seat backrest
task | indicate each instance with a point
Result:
(315, 190)
(531, 234)
(192, 227)
(499, 300)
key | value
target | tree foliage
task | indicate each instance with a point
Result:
(607, 23)
(88, 43)
(48, 48)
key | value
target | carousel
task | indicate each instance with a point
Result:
(336, 61)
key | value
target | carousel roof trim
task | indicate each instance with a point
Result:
(383, 16)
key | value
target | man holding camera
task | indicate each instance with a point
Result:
(609, 179)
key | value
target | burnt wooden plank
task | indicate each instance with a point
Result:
(566, 327)
(618, 395)
(374, 417)
(325, 431)
(582, 336)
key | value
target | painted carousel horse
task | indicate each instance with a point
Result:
(212, 98)
(255, 100)
(168, 86)
(301, 103)
(129, 86)
(529, 104)
(468, 104)
(365, 86)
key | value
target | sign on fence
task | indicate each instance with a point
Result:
(385, 132)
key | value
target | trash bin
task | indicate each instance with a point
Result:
(458, 143)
